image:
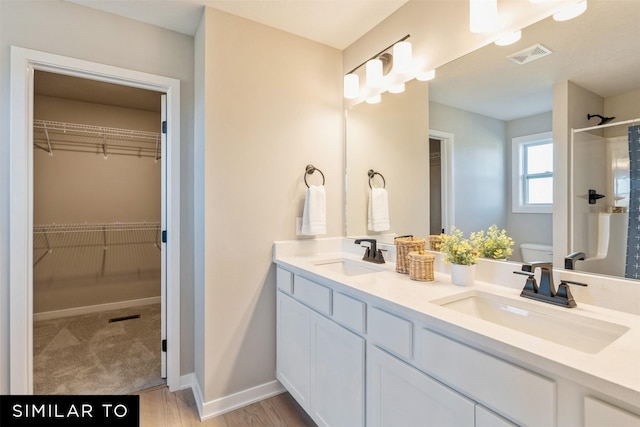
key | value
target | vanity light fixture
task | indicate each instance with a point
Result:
(570, 11)
(387, 70)
(402, 57)
(509, 38)
(483, 15)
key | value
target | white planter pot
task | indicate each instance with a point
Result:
(463, 275)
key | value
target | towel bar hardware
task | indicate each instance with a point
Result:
(310, 169)
(371, 173)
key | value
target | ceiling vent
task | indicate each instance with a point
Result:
(529, 54)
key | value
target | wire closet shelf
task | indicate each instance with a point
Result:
(51, 135)
(48, 237)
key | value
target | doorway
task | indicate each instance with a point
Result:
(24, 64)
(96, 237)
(442, 189)
(435, 188)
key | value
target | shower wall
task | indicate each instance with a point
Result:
(79, 188)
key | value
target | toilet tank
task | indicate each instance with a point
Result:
(536, 252)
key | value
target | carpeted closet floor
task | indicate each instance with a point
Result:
(87, 354)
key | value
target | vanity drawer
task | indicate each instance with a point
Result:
(521, 395)
(284, 280)
(349, 312)
(598, 413)
(312, 294)
(391, 332)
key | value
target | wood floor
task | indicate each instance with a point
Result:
(161, 408)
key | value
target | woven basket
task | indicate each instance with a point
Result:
(421, 266)
(404, 245)
(434, 242)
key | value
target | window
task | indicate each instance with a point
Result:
(532, 168)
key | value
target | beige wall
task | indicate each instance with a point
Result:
(391, 138)
(78, 188)
(625, 106)
(67, 29)
(268, 103)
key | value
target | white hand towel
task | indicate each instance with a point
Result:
(378, 210)
(314, 215)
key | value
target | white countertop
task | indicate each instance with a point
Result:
(615, 370)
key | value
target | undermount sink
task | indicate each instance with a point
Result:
(348, 267)
(552, 324)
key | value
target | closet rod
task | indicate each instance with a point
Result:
(626, 122)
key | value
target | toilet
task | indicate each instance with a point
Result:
(536, 252)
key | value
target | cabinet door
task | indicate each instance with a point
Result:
(486, 418)
(337, 374)
(400, 395)
(598, 414)
(293, 351)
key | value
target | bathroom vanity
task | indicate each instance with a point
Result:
(359, 344)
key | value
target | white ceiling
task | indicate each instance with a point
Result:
(336, 23)
(600, 51)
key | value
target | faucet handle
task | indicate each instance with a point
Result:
(530, 286)
(571, 282)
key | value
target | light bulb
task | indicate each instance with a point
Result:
(426, 75)
(397, 88)
(374, 73)
(375, 99)
(570, 11)
(483, 15)
(351, 86)
(402, 57)
(508, 39)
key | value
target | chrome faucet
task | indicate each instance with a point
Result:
(546, 291)
(372, 254)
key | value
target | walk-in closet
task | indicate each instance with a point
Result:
(96, 237)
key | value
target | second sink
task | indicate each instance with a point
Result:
(565, 328)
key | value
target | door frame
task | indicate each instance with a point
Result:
(447, 176)
(24, 62)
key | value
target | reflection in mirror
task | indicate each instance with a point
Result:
(391, 138)
(485, 100)
(605, 226)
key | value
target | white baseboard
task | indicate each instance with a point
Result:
(46, 315)
(229, 403)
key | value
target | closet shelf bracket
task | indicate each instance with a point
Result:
(46, 133)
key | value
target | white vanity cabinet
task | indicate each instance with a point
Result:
(321, 363)
(352, 358)
(400, 395)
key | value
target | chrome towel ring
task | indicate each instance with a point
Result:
(371, 173)
(310, 169)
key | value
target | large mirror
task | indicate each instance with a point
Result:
(478, 107)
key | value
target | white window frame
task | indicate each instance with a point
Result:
(518, 204)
